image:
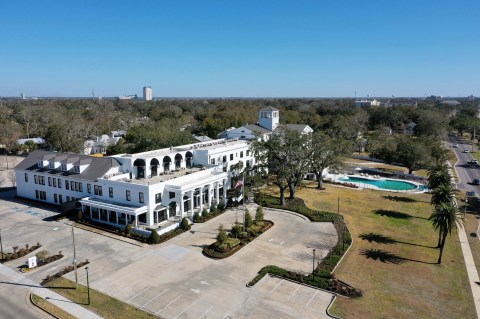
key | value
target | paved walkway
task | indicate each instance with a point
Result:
(471, 268)
(56, 299)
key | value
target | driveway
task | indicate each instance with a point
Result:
(174, 279)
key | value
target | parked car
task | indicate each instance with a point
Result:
(476, 181)
(473, 162)
(455, 145)
(466, 151)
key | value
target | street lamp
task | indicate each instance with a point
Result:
(1, 244)
(88, 285)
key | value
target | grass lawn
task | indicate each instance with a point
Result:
(393, 259)
(51, 308)
(101, 304)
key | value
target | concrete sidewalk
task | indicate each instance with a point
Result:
(56, 299)
(471, 268)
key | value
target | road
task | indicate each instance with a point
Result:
(14, 301)
(466, 172)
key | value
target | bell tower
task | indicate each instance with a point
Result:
(269, 118)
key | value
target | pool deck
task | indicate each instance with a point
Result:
(336, 178)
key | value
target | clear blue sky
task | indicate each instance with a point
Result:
(240, 48)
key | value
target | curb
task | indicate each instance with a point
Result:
(44, 310)
(106, 234)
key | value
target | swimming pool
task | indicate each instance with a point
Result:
(383, 183)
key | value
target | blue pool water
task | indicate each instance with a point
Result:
(383, 183)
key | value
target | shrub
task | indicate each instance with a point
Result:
(213, 207)
(15, 248)
(42, 255)
(14, 256)
(204, 213)
(248, 219)
(154, 237)
(236, 229)
(259, 214)
(21, 253)
(184, 224)
(196, 217)
(221, 206)
(243, 234)
(128, 229)
(80, 214)
(222, 235)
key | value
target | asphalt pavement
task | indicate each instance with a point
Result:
(467, 173)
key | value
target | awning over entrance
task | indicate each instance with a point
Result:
(101, 203)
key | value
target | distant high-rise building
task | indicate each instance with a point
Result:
(147, 93)
(22, 95)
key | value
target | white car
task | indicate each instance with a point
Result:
(455, 145)
(466, 151)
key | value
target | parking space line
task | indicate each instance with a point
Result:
(293, 293)
(168, 304)
(138, 294)
(316, 292)
(154, 298)
(276, 287)
(204, 315)
(129, 286)
(91, 272)
(185, 310)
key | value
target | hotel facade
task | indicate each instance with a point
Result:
(149, 189)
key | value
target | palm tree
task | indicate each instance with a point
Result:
(438, 175)
(443, 194)
(445, 218)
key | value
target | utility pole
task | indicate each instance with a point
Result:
(74, 259)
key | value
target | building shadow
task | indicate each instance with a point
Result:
(381, 239)
(400, 199)
(388, 257)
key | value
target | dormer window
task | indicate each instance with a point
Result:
(51, 165)
(64, 167)
(76, 169)
(40, 164)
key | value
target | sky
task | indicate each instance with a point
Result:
(240, 48)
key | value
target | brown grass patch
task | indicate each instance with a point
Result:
(393, 259)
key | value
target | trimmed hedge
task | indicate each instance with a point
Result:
(211, 215)
(296, 205)
(20, 252)
(63, 272)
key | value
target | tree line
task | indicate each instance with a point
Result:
(65, 124)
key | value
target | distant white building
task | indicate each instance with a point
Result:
(100, 144)
(400, 102)
(147, 93)
(365, 103)
(268, 122)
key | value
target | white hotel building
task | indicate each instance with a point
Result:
(149, 189)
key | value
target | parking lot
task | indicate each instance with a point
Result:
(174, 279)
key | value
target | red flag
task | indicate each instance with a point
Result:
(238, 184)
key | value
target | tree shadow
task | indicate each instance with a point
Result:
(400, 199)
(388, 257)
(392, 214)
(382, 255)
(377, 238)
(381, 239)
